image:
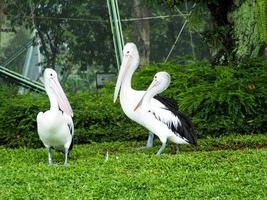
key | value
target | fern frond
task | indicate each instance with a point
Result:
(262, 19)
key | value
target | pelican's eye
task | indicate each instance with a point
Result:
(51, 74)
(128, 52)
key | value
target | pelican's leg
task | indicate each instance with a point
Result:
(161, 148)
(66, 151)
(49, 149)
(149, 142)
(177, 149)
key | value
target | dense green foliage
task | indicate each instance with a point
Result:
(10, 42)
(245, 32)
(130, 173)
(220, 100)
(262, 19)
(79, 28)
(236, 29)
(96, 118)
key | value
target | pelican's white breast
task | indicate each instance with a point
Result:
(53, 128)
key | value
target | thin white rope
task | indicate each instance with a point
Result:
(180, 32)
(180, 12)
(166, 59)
(183, 14)
(190, 33)
(153, 17)
(101, 20)
(64, 18)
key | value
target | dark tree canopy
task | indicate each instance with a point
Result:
(81, 27)
(233, 22)
(236, 29)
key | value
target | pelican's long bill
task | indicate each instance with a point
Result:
(124, 66)
(152, 85)
(62, 100)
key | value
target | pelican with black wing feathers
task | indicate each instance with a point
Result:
(129, 97)
(55, 126)
(166, 123)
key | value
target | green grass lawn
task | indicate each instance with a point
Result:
(214, 171)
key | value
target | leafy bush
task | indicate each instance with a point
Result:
(18, 120)
(219, 99)
(96, 118)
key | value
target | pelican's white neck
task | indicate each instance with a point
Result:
(52, 99)
(127, 81)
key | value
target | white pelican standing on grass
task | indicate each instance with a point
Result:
(166, 123)
(55, 126)
(129, 97)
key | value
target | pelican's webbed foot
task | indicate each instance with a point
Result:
(66, 151)
(161, 148)
(50, 162)
(150, 139)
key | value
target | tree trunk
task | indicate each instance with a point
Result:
(1, 15)
(1, 20)
(219, 12)
(264, 52)
(141, 31)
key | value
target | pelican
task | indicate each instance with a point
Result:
(166, 123)
(129, 97)
(55, 126)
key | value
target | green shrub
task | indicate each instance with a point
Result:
(18, 120)
(96, 118)
(219, 99)
(99, 119)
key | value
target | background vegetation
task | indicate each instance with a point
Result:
(224, 95)
(225, 32)
(220, 100)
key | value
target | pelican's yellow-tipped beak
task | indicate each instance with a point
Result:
(63, 102)
(124, 66)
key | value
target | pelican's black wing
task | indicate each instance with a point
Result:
(70, 126)
(185, 128)
(171, 104)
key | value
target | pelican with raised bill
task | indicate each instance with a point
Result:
(166, 123)
(129, 97)
(55, 126)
